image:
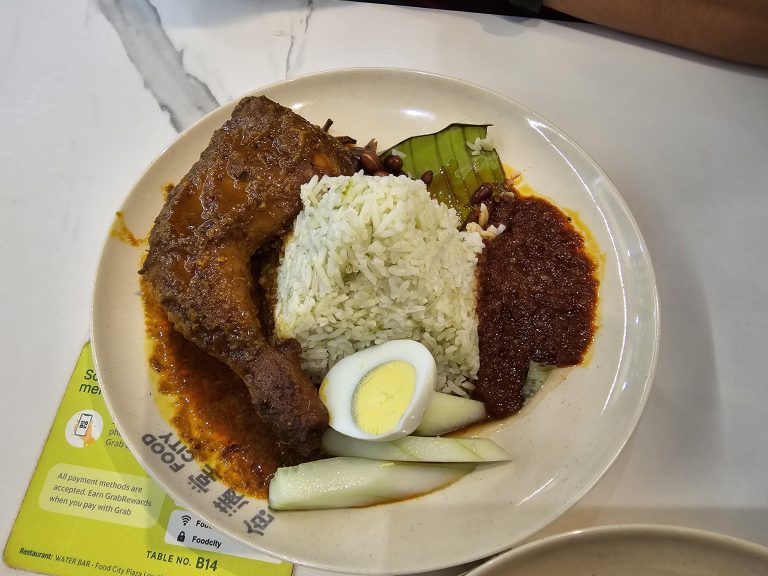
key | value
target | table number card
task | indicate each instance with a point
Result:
(91, 508)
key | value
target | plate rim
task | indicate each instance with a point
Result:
(609, 530)
(654, 317)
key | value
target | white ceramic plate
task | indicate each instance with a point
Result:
(631, 550)
(561, 443)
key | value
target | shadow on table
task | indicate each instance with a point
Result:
(197, 13)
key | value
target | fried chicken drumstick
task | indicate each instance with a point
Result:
(240, 195)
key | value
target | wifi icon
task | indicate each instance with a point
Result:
(185, 519)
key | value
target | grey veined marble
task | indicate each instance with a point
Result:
(179, 93)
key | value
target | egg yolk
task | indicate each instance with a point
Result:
(383, 395)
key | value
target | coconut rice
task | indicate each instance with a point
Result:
(373, 259)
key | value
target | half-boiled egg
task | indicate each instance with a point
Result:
(380, 393)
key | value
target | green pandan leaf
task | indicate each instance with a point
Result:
(457, 172)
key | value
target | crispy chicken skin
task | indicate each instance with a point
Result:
(241, 194)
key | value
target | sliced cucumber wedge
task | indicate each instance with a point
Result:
(415, 449)
(354, 482)
(537, 375)
(446, 413)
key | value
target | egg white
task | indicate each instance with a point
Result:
(339, 385)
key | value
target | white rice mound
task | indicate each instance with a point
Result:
(374, 259)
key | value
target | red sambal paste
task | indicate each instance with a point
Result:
(537, 298)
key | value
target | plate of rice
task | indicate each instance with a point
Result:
(412, 279)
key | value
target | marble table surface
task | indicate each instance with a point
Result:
(92, 90)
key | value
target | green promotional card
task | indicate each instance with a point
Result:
(91, 509)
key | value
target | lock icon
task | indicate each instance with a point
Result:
(181, 537)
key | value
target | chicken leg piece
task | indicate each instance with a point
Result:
(240, 195)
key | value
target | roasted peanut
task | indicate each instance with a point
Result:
(427, 177)
(393, 163)
(483, 192)
(370, 161)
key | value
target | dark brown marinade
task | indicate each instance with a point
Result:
(537, 297)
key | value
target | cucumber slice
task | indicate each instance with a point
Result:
(537, 375)
(446, 413)
(415, 449)
(354, 482)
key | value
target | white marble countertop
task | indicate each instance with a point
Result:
(92, 90)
